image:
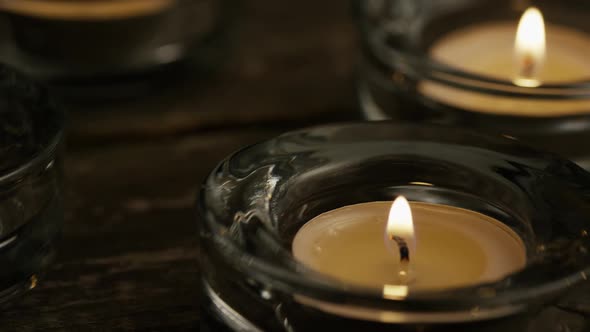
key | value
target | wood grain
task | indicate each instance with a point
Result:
(128, 255)
(127, 260)
(287, 63)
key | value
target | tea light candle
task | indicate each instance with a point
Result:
(430, 247)
(71, 41)
(86, 9)
(526, 55)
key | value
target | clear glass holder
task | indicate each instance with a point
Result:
(114, 49)
(401, 79)
(255, 201)
(31, 206)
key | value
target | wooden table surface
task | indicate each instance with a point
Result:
(128, 257)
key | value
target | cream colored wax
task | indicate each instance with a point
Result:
(85, 9)
(455, 247)
(488, 49)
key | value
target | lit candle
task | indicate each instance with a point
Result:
(530, 54)
(431, 247)
(79, 40)
(85, 9)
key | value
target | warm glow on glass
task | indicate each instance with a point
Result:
(529, 48)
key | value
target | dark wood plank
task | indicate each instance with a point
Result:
(289, 62)
(127, 260)
(128, 256)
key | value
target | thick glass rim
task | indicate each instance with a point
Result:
(468, 303)
(39, 159)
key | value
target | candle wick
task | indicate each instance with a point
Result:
(404, 252)
(527, 73)
(527, 69)
(404, 257)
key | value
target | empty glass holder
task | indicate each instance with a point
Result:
(31, 208)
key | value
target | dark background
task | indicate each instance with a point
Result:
(128, 257)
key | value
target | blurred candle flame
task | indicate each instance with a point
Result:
(529, 48)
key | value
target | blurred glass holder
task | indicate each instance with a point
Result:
(99, 47)
(31, 209)
(454, 62)
(255, 201)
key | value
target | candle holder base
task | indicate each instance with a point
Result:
(560, 136)
(217, 316)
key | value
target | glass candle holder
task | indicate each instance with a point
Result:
(460, 63)
(255, 202)
(31, 209)
(76, 44)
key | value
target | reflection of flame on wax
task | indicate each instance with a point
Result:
(395, 292)
(529, 48)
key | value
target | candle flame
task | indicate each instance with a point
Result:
(400, 225)
(529, 48)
